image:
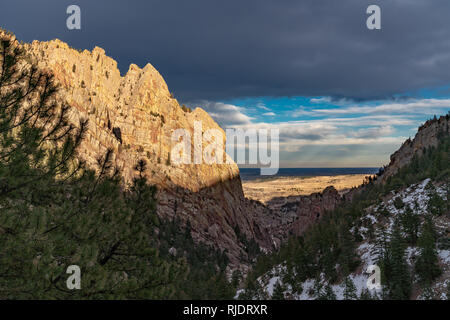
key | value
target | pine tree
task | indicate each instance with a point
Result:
(365, 295)
(399, 280)
(349, 289)
(219, 288)
(436, 205)
(36, 146)
(328, 293)
(236, 278)
(329, 266)
(278, 291)
(253, 291)
(410, 222)
(317, 289)
(427, 263)
(391, 258)
(398, 203)
(348, 258)
(302, 264)
(381, 252)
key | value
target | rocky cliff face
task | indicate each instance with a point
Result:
(294, 214)
(426, 136)
(135, 115)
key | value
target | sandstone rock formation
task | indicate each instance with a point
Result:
(135, 115)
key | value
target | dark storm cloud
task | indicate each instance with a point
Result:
(210, 49)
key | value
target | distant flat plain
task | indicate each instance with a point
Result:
(268, 188)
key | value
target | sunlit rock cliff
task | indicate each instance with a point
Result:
(135, 115)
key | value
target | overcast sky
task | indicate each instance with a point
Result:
(342, 95)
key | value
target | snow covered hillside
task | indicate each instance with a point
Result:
(416, 200)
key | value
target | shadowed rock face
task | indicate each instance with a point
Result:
(135, 116)
(294, 214)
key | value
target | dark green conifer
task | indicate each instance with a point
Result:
(278, 291)
(427, 263)
(349, 289)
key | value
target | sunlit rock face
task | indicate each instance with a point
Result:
(138, 103)
(135, 116)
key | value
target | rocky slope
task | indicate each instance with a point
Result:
(134, 115)
(380, 215)
(426, 136)
(376, 217)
